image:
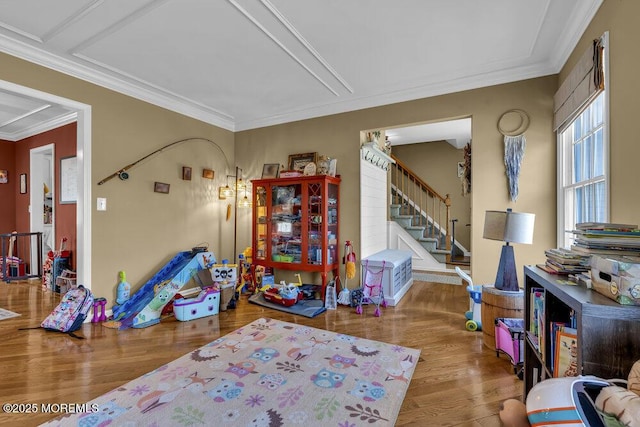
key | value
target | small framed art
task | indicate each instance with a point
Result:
(23, 183)
(270, 170)
(208, 173)
(161, 187)
(186, 173)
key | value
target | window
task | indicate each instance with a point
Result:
(582, 165)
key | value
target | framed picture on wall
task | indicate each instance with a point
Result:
(68, 180)
(23, 183)
(208, 173)
(4, 176)
(161, 187)
(186, 173)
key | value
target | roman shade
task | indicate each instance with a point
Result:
(584, 82)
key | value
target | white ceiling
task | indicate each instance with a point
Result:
(242, 64)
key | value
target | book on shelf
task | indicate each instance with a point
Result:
(549, 270)
(536, 320)
(565, 361)
(605, 226)
(603, 250)
(565, 256)
(553, 268)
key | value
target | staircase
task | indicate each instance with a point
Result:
(421, 211)
(418, 232)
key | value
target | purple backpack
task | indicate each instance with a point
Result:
(73, 309)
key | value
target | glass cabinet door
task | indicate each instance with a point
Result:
(286, 226)
(322, 222)
(332, 223)
(260, 218)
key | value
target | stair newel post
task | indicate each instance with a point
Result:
(447, 203)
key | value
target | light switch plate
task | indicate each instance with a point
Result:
(102, 204)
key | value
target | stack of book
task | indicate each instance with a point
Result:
(597, 238)
(565, 261)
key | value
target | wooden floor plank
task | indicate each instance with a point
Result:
(457, 382)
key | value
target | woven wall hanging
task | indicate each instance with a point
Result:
(514, 145)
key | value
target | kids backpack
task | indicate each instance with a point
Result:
(69, 315)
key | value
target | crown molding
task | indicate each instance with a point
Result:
(80, 71)
(40, 127)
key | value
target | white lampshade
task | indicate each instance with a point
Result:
(509, 226)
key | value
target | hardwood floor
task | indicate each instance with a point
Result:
(457, 382)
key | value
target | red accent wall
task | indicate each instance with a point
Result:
(64, 138)
(8, 191)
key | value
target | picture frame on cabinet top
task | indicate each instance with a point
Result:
(297, 162)
(270, 170)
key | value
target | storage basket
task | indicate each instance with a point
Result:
(66, 281)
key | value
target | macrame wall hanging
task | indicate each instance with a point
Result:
(514, 145)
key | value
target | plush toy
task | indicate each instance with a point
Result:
(622, 403)
(513, 413)
(618, 406)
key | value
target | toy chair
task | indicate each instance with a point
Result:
(371, 291)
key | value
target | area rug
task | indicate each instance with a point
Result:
(267, 373)
(6, 314)
(307, 308)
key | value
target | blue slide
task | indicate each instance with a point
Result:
(175, 274)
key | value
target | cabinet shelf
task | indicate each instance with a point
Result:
(606, 332)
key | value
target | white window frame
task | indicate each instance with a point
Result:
(562, 227)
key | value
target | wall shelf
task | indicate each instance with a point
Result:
(374, 155)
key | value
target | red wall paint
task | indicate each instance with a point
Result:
(8, 191)
(64, 139)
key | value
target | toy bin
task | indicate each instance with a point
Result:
(510, 340)
(206, 303)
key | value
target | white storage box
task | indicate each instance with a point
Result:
(397, 277)
(616, 278)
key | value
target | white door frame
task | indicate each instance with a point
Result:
(36, 202)
(83, 153)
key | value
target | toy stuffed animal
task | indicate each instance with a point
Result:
(620, 406)
(513, 413)
(623, 403)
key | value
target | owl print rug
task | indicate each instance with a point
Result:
(267, 373)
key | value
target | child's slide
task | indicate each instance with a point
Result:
(145, 306)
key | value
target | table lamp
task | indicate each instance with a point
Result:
(508, 227)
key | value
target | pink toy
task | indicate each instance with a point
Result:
(99, 305)
(510, 340)
(371, 292)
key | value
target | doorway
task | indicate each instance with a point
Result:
(41, 190)
(82, 113)
(434, 152)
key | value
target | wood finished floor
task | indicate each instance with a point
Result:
(457, 382)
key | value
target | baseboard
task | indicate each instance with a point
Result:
(442, 277)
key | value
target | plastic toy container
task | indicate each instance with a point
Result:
(510, 339)
(207, 303)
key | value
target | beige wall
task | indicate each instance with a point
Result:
(620, 18)
(338, 136)
(141, 230)
(436, 163)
